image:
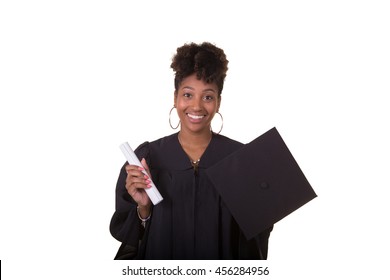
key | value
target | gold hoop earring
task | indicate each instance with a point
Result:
(170, 123)
(221, 124)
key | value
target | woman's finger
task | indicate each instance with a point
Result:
(145, 165)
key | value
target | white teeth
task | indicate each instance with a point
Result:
(195, 117)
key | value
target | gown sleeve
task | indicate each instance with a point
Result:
(125, 225)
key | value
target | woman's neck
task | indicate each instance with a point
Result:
(190, 139)
(194, 144)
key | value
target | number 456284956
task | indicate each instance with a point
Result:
(224, 270)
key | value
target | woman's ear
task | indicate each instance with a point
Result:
(174, 98)
(219, 102)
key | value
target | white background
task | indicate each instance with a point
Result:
(77, 78)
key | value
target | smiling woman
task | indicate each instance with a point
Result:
(196, 102)
(192, 222)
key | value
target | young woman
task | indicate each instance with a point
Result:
(192, 221)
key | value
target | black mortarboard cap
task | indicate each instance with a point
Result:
(261, 183)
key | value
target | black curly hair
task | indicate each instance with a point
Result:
(206, 60)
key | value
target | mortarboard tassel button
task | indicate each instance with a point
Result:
(264, 185)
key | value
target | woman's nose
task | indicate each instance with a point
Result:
(196, 103)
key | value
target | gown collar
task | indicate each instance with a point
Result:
(178, 158)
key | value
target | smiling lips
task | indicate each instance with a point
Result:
(195, 117)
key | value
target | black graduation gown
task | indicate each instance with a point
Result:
(192, 222)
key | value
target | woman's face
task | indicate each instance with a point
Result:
(196, 103)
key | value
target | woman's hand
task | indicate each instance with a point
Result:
(136, 183)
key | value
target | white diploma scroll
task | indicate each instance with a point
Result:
(132, 159)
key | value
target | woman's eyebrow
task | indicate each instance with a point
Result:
(205, 90)
(209, 89)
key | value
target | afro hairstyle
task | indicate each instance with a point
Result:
(207, 61)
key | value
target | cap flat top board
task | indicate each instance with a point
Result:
(261, 183)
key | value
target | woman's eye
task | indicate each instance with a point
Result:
(188, 95)
(208, 98)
